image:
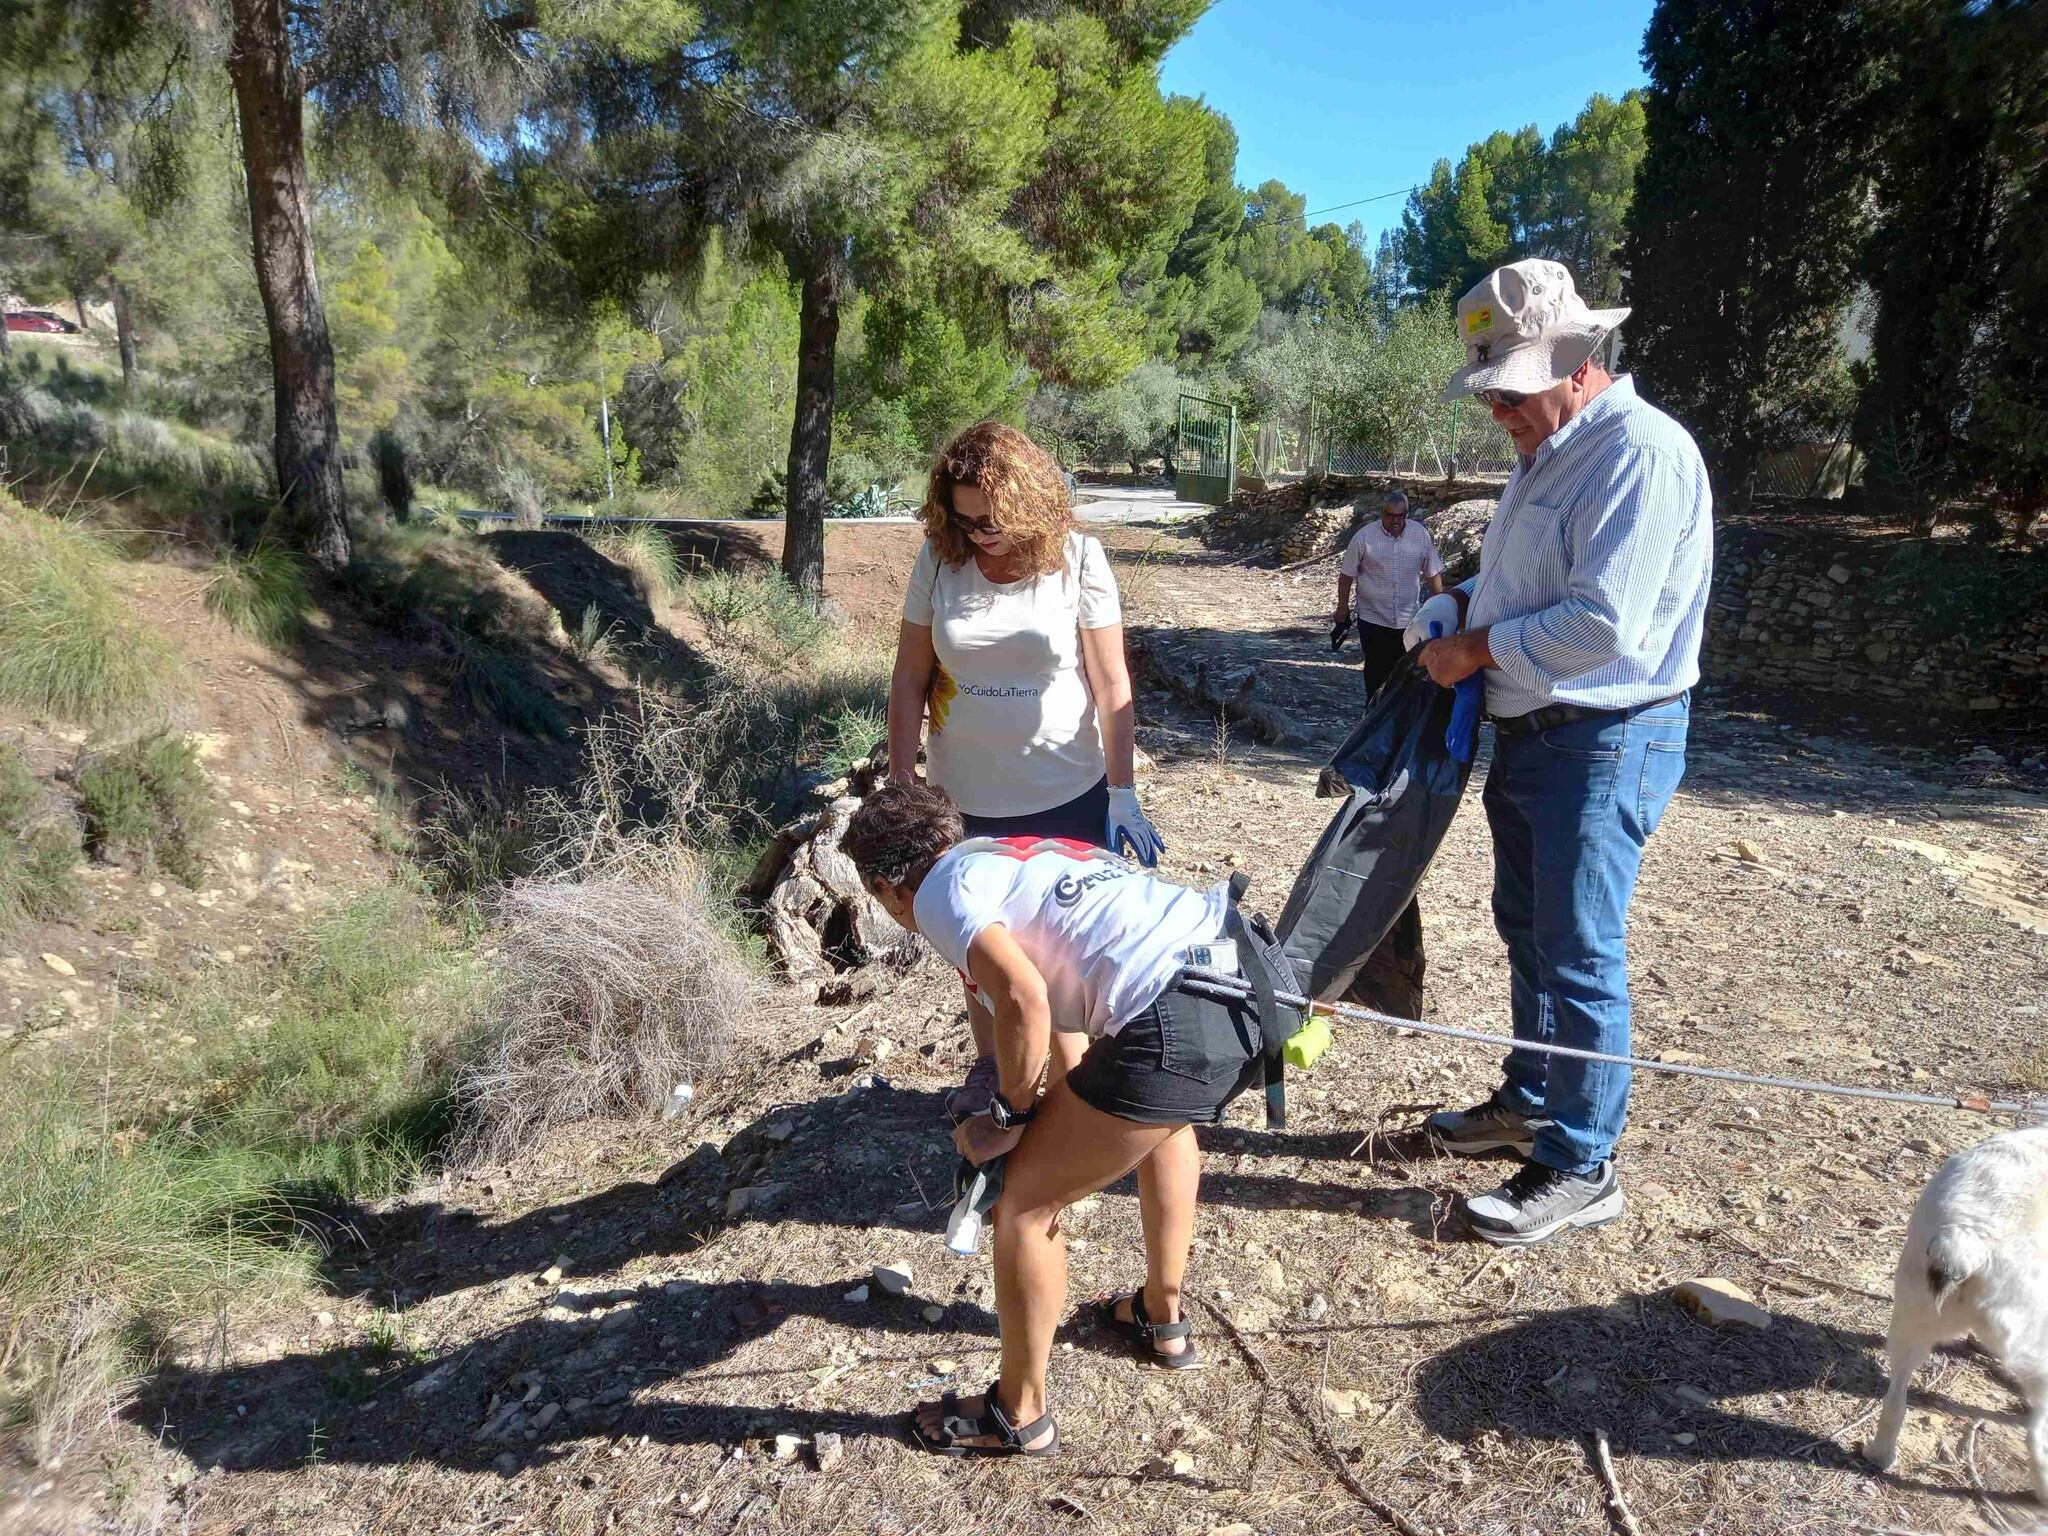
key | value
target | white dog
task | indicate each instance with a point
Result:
(1976, 1262)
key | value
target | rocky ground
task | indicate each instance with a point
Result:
(681, 1326)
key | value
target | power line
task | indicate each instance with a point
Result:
(1377, 197)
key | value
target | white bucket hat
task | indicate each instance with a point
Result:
(1525, 328)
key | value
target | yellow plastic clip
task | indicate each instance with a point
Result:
(1308, 1043)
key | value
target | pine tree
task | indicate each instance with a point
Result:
(1958, 395)
(1005, 173)
(1747, 219)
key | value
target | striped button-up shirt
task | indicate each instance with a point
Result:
(1593, 576)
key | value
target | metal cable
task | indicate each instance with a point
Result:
(1219, 985)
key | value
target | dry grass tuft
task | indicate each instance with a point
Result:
(68, 644)
(614, 989)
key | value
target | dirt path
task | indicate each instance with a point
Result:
(462, 1385)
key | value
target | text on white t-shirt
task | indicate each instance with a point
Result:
(1105, 935)
(1013, 724)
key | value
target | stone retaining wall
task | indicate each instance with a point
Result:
(1801, 616)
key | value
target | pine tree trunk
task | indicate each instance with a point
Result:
(270, 99)
(84, 319)
(124, 331)
(810, 436)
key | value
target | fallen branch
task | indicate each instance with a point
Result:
(1396, 1519)
(1617, 1504)
(1799, 1274)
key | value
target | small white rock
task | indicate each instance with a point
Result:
(934, 1314)
(827, 1449)
(788, 1446)
(858, 1293)
(893, 1277)
(1722, 1303)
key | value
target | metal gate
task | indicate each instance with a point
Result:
(1205, 451)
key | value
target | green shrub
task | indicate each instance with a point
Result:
(593, 638)
(852, 733)
(759, 612)
(262, 593)
(500, 682)
(68, 647)
(648, 553)
(107, 1245)
(38, 849)
(134, 1206)
(334, 1064)
(147, 800)
(471, 844)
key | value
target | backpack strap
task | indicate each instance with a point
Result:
(1263, 963)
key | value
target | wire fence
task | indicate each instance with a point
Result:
(1277, 452)
(1302, 443)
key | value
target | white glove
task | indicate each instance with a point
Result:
(1127, 826)
(1441, 610)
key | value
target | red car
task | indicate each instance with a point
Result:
(40, 322)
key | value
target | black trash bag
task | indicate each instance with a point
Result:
(1392, 978)
(1406, 761)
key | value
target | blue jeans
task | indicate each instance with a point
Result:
(1570, 809)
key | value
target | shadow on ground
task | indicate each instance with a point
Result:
(590, 592)
(612, 1358)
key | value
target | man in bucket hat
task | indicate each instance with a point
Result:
(1585, 619)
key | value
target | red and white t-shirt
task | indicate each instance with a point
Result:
(1105, 935)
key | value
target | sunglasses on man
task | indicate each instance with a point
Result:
(1502, 399)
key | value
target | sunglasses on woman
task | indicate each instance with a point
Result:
(985, 526)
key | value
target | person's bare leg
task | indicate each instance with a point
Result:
(1168, 1183)
(1070, 1150)
(980, 1023)
(1068, 1048)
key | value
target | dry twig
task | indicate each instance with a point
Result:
(1396, 1519)
(1617, 1503)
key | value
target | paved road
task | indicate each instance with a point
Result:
(1092, 504)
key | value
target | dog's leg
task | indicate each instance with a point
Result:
(1905, 1354)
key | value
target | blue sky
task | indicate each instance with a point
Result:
(1342, 101)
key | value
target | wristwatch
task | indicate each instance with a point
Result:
(1004, 1116)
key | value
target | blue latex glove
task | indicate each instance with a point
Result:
(1461, 736)
(1127, 830)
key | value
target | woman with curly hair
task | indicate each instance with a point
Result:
(1012, 648)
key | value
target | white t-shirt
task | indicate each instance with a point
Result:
(1013, 727)
(1105, 935)
(1388, 572)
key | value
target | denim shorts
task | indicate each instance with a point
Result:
(1180, 1062)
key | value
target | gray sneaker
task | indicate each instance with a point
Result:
(1538, 1203)
(1486, 1127)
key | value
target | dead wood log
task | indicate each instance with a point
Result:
(1221, 685)
(811, 907)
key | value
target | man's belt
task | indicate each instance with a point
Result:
(1553, 715)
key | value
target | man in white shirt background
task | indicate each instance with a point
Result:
(1379, 582)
